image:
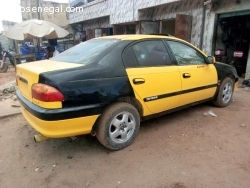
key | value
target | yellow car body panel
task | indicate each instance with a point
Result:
(235, 85)
(49, 105)
(61, 128)
(159, 81)
(201, 84)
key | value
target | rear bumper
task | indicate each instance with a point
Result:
(57, 123)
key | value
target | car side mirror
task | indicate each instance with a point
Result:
(210, 59)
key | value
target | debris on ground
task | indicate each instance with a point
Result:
(210, 113)
(8, 88)
(16, 105)
(87, 184)
(70, 157)
(243, 125)
(246, 83)
(8, 91)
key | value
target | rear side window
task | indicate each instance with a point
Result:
(150, 53)
(85, 52)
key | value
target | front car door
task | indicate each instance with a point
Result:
(199, 79)
(155, 79)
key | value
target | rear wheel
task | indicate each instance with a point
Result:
(4, 68)
(225, 93)
(118, 126)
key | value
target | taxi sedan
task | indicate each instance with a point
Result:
(106, 86)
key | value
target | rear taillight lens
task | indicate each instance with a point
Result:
(46, 93)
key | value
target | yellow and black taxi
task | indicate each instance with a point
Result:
(107, 86)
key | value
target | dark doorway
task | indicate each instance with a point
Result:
(232, 41)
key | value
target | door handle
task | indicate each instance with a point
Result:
(186, 75)
(138, 81)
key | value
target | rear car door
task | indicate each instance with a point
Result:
(199, 79)
(155, 79)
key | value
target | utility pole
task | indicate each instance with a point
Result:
(37, 8)
(39, 41)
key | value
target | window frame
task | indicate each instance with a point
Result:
(187, 44)
(144, 40)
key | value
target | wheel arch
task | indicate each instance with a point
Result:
(229, 75)
(130, 100)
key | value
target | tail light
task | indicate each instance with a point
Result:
(46, 93)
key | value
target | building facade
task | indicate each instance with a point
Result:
(197, 21)
(59, 18)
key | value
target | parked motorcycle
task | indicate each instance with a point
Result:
(10, 54)
(3, 65)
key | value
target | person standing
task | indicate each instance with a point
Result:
(54, 51)
(49, 53)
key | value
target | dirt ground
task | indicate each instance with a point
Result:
(181, 150)
(8, 76)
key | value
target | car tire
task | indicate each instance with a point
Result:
(4, 68)
(225, 93)
(118, 126)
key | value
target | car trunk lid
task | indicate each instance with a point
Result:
(28, 73)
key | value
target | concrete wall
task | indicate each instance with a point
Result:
(169, 11)
(131, 11)
(247, 76)
(58, 18)
(120, 11)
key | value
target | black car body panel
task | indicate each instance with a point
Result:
(101, 82)
(225, 70)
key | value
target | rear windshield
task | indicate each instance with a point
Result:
(85, 52)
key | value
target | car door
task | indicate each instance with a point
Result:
(199, 79)
(155, 79)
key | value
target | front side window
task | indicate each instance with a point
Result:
(151, 53)
(186, 55)
(85, 52)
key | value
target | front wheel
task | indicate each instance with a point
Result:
(4, 68)
(225, 93)
(118, 126)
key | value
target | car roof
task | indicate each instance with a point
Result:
(134, 37)
(142, 36)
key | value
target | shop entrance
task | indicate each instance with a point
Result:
(233, 40)
(125, 29)
(179, 27)
(168, 27)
